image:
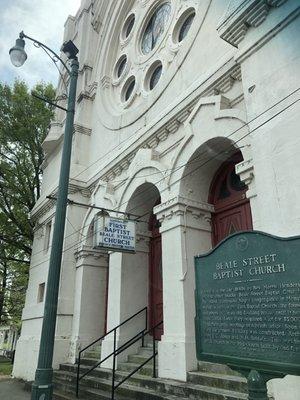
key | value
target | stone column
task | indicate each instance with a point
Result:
(128, 293)
(186, 232)
(89, 299)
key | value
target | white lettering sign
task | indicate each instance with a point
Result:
(114, 234)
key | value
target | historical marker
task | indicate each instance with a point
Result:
(248, 303)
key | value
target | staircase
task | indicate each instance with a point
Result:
(210, 382)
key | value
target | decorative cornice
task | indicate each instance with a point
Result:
(224, 83)
(99, 10)
(245, 170)
(37, 214)
(87, 256)
(54, 136)
(88, 91)
(84, 130)
(105, 81)
(180, 206)
(44, 206)
(243, 14)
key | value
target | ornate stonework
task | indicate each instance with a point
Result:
(88, 256)
(245, 170)
(154, 137)
(180, 206)
(242, 15)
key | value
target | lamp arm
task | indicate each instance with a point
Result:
(40, 44)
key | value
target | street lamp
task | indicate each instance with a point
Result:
(42, 387)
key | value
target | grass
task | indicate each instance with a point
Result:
(5, 366)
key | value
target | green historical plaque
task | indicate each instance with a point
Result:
(248, 304)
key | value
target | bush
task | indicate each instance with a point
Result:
(5, 366)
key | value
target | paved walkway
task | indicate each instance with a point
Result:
(12, 389)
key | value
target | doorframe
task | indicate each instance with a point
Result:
(238, 198)
(153, 220)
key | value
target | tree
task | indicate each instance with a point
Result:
(24, 123)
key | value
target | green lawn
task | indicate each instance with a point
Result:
(5, 366)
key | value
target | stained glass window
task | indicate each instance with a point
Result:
(155, 77)
(129, 25)
(121, 66)
(129, 89)
(185, 27)
(155, 27)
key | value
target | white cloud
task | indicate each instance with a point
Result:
(41, 19)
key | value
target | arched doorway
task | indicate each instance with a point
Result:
(155, 277)
(228, 195)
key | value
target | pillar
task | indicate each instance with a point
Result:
(186, 232)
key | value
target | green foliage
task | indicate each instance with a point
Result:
(24, 122)
(5, 366)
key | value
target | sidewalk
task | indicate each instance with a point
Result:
(12, 389)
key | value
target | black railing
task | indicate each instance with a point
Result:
(140, 335)
(126, 346)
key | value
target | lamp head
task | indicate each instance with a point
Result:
(17, 53)
(69, 49)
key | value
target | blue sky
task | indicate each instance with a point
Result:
(42, 19)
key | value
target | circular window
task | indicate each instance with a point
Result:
(120, 66)
(128, 89)
(155, 27)
(155, 77)
(128, 26)
(185, 27)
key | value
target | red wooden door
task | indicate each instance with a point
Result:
(155, 278)
(232, 208)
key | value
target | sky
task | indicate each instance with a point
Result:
(41, 19)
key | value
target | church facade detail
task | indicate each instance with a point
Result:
(187, 116)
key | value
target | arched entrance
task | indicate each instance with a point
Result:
(228, 195)
(155, 277)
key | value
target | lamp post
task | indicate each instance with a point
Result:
(42, 387)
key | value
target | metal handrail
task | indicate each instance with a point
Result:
(114, 330)
(126, 346)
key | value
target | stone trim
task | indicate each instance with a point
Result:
(178, 206)
(245, 170)
(84, 130)
(44, 206)
(142, 242)
(99, 10)
(170, 127)
(159, 135)
(242, 15)
(88, 256)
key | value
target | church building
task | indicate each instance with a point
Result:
(187, 123)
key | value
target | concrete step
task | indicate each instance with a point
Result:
(101, 379)
(229, 382)
(205, 366)
(96, 347)
(129, 367)
(89, 361)
(92, 354)
(99, 389)
(145, 351)
(140, 359)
